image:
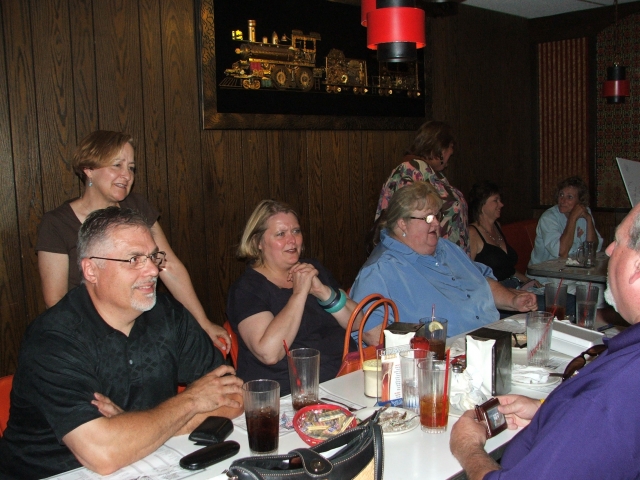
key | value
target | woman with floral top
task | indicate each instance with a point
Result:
(425, 160)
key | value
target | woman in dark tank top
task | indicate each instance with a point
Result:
(488, 244)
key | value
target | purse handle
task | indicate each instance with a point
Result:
(377, 300)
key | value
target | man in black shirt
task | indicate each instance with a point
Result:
(98, 373)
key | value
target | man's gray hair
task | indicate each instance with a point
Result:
(96, 229)
(634, 234)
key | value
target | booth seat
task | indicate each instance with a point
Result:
(521, 236)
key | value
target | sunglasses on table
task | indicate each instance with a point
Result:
(580, 361)
(429, 218)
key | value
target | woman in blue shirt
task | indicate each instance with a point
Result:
(415, 268)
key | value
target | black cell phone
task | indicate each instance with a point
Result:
(212, 430)
(209, 455)
(494, 420)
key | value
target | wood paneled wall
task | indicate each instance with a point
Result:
(68, 67)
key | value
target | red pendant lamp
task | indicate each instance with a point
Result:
(395, 28)
(616, 88)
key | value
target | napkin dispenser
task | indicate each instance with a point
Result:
(488, 352)
(400, 333)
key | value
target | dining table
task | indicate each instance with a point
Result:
(411, 454)
(558, 268)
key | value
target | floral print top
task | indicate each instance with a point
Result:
(455, 223)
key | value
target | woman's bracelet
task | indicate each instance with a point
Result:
(333, 303)
(330, 300)
(342, 301)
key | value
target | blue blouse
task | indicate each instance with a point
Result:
(448, 278)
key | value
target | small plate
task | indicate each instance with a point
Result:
(550, 381)
(389, 413)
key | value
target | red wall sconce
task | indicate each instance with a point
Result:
(395, 28)
(616, 88)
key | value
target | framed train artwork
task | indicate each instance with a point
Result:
(292, 64)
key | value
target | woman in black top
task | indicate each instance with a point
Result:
(281, 297)
(488, 244)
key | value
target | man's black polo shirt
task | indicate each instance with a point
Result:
(69, 352)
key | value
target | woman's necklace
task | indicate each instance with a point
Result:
(497, 240)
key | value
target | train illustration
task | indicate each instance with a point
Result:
(289, 63)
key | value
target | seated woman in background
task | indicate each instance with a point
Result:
(415, 268)
(425, 160)
(563, 228)
(488, 244)
(280, 297)
(104, 162)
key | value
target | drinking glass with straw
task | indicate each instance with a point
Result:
(433, 389)
(295, 373)
(539, 331)
(586, 305)
(556, 299)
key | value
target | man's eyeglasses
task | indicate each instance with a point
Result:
(139, 261)
(429, 218)
(580, 361)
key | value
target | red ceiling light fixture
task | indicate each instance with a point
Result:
(395, 28)
(616, 88)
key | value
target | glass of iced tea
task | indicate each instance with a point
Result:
(555, 299)
(435, 331)
(434, 380)
(304, 376)
(262, 412)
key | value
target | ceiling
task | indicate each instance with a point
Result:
(521, 8)
(539, 8)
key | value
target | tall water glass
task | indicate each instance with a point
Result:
(409, 360)
(304, 376)
(539, 331)
(586, 304)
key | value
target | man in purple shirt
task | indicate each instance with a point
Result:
(589, 427)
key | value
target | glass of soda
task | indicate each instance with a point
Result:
(262, 412)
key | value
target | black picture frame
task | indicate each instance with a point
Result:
(397, 115)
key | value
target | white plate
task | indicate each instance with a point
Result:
(550, 381)
(407, 427)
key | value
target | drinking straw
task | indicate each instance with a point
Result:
(447, 363)
(584, 315)
(555, 299)
(291, 364)
(547, 327)
(545, 334)
(433, 312)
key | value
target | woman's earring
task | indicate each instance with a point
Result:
(90, 183)
(404, 234)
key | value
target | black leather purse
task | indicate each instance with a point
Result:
(360, 458)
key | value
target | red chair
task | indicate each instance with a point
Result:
(234, 343)
(5, 401)
(233, 351)
(522, 237)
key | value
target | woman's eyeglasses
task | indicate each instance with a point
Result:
(429, 218)
(580, 361)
